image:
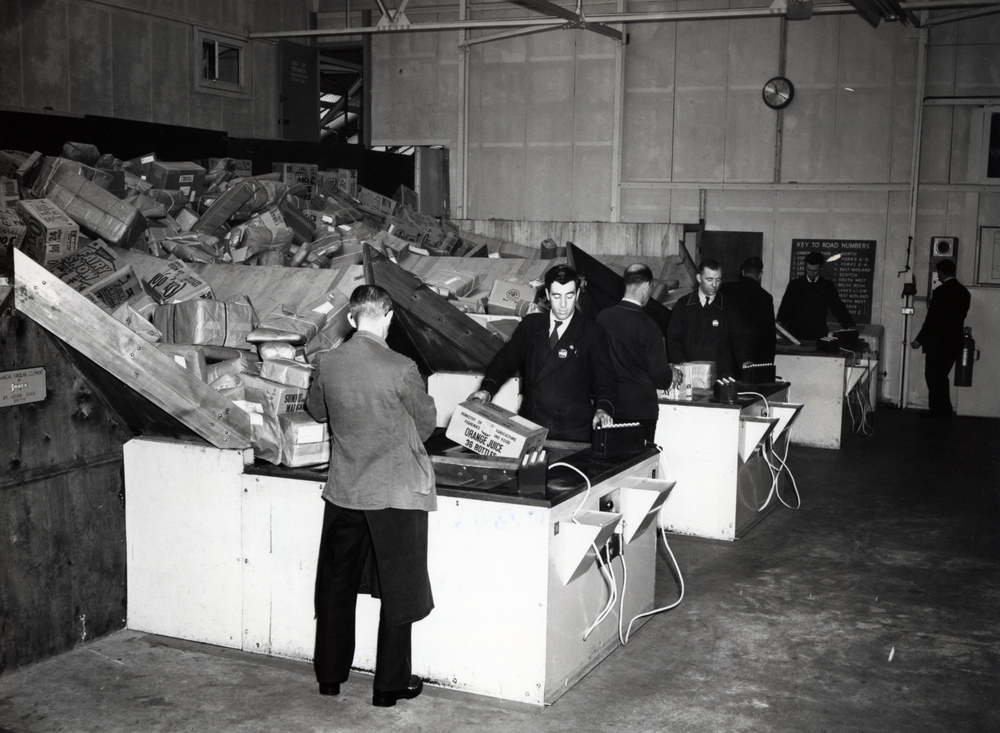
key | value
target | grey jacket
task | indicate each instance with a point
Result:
(380, 414)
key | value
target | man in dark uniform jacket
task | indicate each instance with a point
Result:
(379, 490)
(941, 337)
(756, 306)
(637, 352)
(703, 327)
(808, 299)
(569, 385)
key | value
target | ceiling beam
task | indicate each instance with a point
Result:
(615, 18)
(578, 21)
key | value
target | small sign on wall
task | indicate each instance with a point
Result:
(22, 386)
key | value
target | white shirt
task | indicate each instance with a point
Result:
(562, 326)
(705, 300)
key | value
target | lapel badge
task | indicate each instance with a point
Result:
(715, 323)
(562, 353)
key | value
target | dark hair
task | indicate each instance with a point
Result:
(637, 274)
(815, 258)
(945, 267)
(561, 274)
(708, 265)
(753, 265)
(369, 301)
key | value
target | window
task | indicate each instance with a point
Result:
(222, 64)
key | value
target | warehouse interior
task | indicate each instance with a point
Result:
(587, 122)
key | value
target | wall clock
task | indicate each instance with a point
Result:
(778, 92)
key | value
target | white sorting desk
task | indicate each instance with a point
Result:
(838, 392)
(223, 555)
(709, 449)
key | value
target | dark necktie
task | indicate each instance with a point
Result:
(554, 336)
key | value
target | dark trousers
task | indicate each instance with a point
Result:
(937, 366)
(343, 550)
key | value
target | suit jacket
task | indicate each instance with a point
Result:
(639, 357)
(562, 386)
(380, 414)
(715, 333)
(756, 306)
(804, 307)
(944, 326)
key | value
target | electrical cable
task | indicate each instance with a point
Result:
(795, 487)
(628, 631)
(606, 571)
(621, 602)
(767, 407)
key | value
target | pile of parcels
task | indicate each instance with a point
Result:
(295, 216)
(70, 213)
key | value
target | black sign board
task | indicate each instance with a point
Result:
(853, 273)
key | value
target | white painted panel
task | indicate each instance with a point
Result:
(699, 453)
(818, 383)
(176, 587)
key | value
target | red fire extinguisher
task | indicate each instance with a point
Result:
(968, 356)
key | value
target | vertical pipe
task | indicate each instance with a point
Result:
(366, 101)
(779, 118)
(462, 144)
(616, 139)
(914, 191)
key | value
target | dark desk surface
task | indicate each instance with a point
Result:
(562, 483)
(747, 394)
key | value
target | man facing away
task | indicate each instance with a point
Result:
(380, 488)
(808, 299)
(704, 327)
(756, 306)
(570, 385)
(638, 353)
(941, 337)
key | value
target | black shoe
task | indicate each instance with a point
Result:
(329, 688)
(388, 698)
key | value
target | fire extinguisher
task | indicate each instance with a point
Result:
(968, 356)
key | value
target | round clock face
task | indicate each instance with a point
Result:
(778, 92)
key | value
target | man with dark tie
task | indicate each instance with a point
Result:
(570, 385)
(705, 327)
(807, 301)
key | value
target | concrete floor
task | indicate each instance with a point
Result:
(876, 607)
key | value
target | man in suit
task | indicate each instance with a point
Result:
(756, 306)
(638, 353)
(941, 337)
(704, 327)
(380, 488)
(570, 385)
(808, 299)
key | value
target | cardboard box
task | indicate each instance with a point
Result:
(510, 298)
(206, 322)
(50, 234)
(12, 231)
(124, 288)
(97, 211)
(296, 455)
(344, 180)
(142, 164)
(451, 283)
(175, 282)
(287, 371)
(9, 195)
(275, 398)
(375, 203)
(241, 167)
(299, 428)
(186, 177)
(90, 268)
(294, 173)
(225, 206)
(490, 430)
